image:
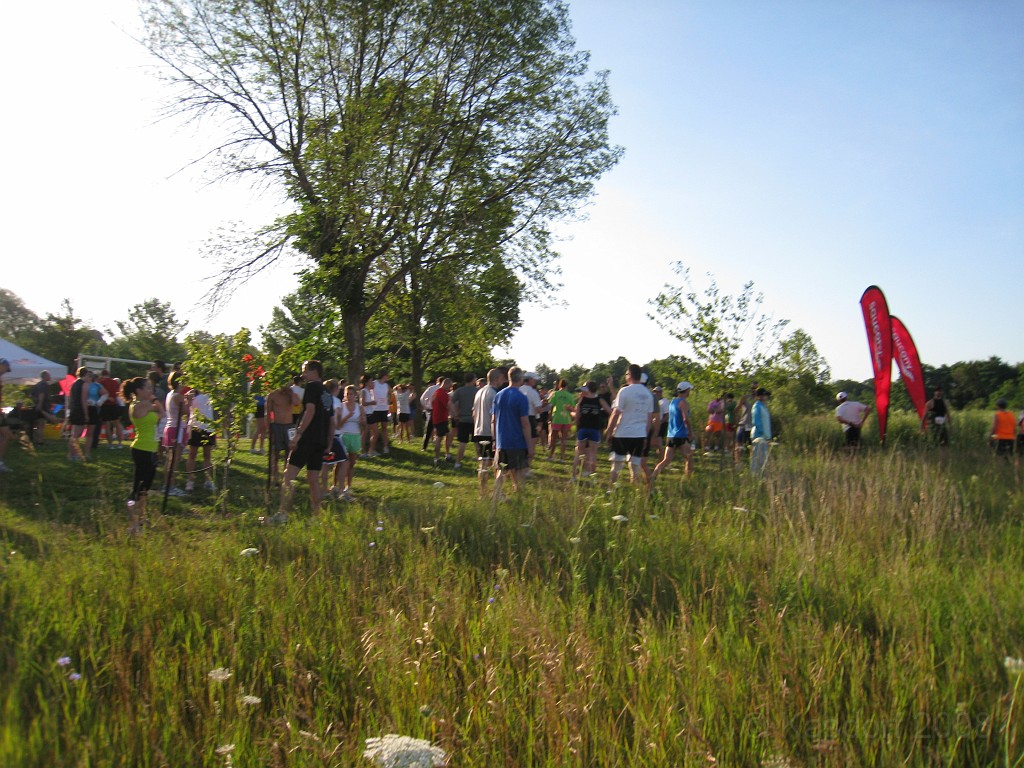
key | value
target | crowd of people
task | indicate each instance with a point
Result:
(326, 426)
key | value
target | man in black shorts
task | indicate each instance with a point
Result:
(312, 438)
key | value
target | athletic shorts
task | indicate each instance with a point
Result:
(169, 436)
(353, 442)
(587, 433)
(336, 453)
(678, 442)
(663, 430)
(713, 426)
(742, 436)
(484, 447)
(279, 436)
(465, 433)
(629, 446)
(560, 427)
(200, 438)
(441, 429)
(110, 411)
(852, 435)
(1004, 447)
(515, 458)
(533, 426)
(307, 455)
(377, 417)
(403, 418)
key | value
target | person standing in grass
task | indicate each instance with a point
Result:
(145, 411)
(936, 418)
(633, 415)
(1004, 429)
(337, 456)
(760, 432)
(403, 400)
(78, 416)
(280, 405)
(109, 410)
(562, 403)
(175, 434)
(352, 425)
(591, 410)
(462, 414)
(312, 437)
(201, 435)
(439, 411)
(483, 403)
(852, 416)
(678, 436)
(510, 425)
(377, 418)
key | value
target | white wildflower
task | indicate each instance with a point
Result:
(1013, 666)
(439, 484)
(620, 518)
(575, 540)
(249, 700)
(225, 749)
(219, 674)
(249, 552)
(740, 509)
(394, 751)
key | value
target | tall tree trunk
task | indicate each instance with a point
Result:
(355, 337)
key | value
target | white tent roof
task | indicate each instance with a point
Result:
(25, 365)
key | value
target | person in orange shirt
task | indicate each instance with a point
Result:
(1004, 429)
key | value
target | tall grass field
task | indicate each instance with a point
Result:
(839, 611)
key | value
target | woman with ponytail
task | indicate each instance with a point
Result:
(145, 411)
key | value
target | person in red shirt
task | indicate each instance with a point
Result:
(110, 410)
(439, 418)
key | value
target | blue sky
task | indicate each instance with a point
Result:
(812, 147)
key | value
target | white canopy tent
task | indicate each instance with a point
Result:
(26, 366)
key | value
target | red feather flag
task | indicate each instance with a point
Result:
(905, 353)
(879, 329)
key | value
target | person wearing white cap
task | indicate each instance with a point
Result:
(851, 415)
(678, 437)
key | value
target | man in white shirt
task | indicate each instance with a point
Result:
(482, 433)
(378, 418)
(529, 388)
(634, 414)
(851, 415)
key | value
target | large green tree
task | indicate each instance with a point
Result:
(17, 322)
(62, 336)
(150, 333)
(730, 338)
(405, 133)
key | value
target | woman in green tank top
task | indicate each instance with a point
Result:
(145, 411)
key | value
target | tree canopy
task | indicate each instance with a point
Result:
(406, 134)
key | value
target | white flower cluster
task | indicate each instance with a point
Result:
(219, 674)
(1013, 666)
(394, 751)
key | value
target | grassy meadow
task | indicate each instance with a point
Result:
(836, 612)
